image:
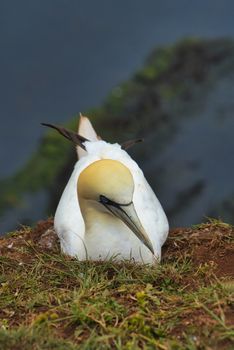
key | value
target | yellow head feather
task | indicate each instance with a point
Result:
(106, 177)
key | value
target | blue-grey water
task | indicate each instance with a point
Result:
(60, 57)
(201, 152)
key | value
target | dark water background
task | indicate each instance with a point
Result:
(61, 57)
(58, 58)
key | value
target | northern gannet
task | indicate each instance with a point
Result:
(108, 210)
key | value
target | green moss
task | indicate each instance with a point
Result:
(39, 172)
(157, 65)
(30, 339)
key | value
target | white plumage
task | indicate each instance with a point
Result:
(105, 235)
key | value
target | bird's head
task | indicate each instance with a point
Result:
(107, 178)
(110, 183)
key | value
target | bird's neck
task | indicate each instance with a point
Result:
(95, 215)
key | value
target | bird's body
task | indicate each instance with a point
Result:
(88, 230)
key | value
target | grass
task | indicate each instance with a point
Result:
(49, 301)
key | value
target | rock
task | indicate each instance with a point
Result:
(48, 240)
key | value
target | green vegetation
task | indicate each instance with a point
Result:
(38, 173)
(49, 301)
(134, 108)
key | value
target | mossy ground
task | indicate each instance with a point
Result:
(49, 301)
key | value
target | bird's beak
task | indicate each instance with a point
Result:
(127, 214)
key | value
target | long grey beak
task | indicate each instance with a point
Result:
(128, 215)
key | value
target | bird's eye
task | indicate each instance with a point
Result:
(104, 200)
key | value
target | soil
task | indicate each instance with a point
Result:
(210, 243)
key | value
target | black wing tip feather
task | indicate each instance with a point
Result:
(79, 140)
(68, 134)
(130, 143)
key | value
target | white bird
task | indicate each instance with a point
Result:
(108, 210)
